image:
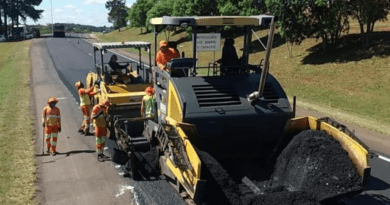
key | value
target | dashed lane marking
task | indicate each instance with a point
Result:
(384, 158)
(61, 98)
(89, 54)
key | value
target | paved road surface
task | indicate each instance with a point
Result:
(73, 59)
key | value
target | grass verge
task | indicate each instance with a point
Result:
(350, 78)
(17, 161)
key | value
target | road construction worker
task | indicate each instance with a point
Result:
(114, 65)
(51, 120)
(148, 102)
(99, 122)
(165, 55)
(85, 105)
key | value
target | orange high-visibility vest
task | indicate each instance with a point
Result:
(51, 116)
(100, 120)
(84, 96)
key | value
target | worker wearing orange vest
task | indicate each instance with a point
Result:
(85, 105)
(148, 101)
(165, 55)
(51, 120)
(99, 122)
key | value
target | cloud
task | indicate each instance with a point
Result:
(70, 6)
(58, 10)
(94, 1)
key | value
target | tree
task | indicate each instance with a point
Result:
(159, 9)
(19, 8)
(368, 13)
(118, 13)
(137, 14)
(300, 19)
(250, 7)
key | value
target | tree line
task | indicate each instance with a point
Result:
(297, 19)
(76, 28)
(17, 10)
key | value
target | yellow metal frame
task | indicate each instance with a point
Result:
(356, 152)
(174, 117)
(120, 93)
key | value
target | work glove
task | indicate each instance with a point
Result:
(43, 124)
(59, 129)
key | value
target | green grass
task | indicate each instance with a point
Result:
(17, 162)
(350, 79)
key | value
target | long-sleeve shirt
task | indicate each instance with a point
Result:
(115, 66)
(84, 95)
(166, 56)
(51, 116)
(98, 117)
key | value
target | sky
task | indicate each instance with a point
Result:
(86, 12)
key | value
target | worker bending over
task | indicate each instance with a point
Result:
(148, 101)
(85, 105)
(51, 120)
(99, 122)
(165, 55)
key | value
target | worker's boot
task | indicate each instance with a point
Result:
(106, 158)
(48, 150)
(81, 130)
(100, 158)
(86, 132)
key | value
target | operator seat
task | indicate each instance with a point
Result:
(180, 66)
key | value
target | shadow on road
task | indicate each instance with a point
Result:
(376, 184)
(76, 152)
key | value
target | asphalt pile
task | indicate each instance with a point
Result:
(312, 169)
(315, 163)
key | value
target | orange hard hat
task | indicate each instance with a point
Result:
(52, 100)
(105, 102)
(149, 90)
(79, 84)
(163, 43)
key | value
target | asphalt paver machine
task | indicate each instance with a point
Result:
(236, 111)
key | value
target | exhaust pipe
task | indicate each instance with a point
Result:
(257, 94)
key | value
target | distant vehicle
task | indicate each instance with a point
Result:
(59, 30)
(2, 38)
(104, 32)
(36, 33)
(29, 36)
(20, 32)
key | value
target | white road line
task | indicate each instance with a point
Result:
(89, 54)
(117, 166)
(61, 98)
(383, 158)
(131, 188)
